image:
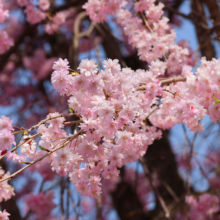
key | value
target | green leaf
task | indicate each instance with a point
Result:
(216, 100)
(71, 110)
(17, 132)
(74, 73)
(42, 148)
(24, 162)
(24, 132)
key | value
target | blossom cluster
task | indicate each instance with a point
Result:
(205, 208)
(5, 41)
(112, 111)
(39, 64)
(193, 99)
(57, 20)
(113, 107)
(38, 12)
(150, 32)
(98, 10)
(6, 191)
(6, 136)
(40, 204)
(35, 13)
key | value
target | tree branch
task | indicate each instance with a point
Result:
(203, 35)
(42, 157)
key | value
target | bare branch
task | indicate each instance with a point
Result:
(41, 158)
(148, 175)
(166, 81)
(50, 118)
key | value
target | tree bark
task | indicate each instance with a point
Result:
(202, 29)
(214, 10)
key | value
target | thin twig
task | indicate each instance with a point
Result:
(160, 199)
(170, 190)
(50, 118)
(99, 207)
(42, 157)
(146, 23)
(97, 52)
(73, 122)
(16, 147)
(151, 112)
(167, 81)
(61, 199)
(77, 35)
(67, 198)
(187, 16)
(173, 93)
(106, 96)
(191, 155)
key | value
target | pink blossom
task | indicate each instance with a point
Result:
(29, 148)
(86, 206)
(61, 161)
(57, 20)
(209, 204)
(112, 65)
(116, 158)
(50, 28)
(99, 10)
(6, 139)
(87, 147)
(34, 16)
(41, 204)
(61, 65)
(94, 9)
(15, 157)
(206, 206)
(88, 67)
(5, 41)
(106, 111)
(6, 123)
(39, 64)
(56, 120)
(60, 17)
(22, 3)
(143, 5)
(44, 4)
(3, 14)
(60, 80)
(4, 215)
(128, 110)
(6, 191)
(82, 188)
(94, 181)
(111, 174)
(95, 191)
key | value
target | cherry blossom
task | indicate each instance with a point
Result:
(41, 204)
(88, 67)
(44, 4)
(205, 207)
(4, 215)
(6, 191)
